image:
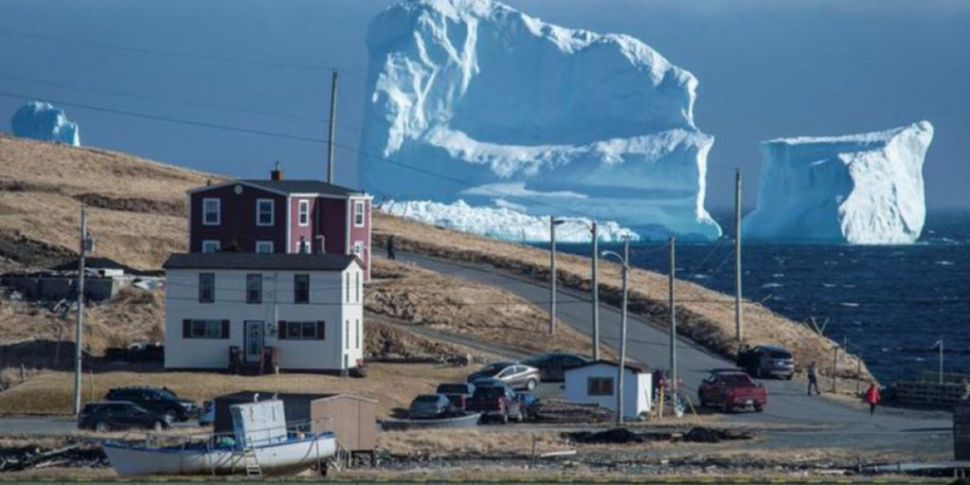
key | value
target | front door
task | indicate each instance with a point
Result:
(254, 341)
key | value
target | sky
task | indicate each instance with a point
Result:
(767, 68)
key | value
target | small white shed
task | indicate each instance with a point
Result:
(595, 383)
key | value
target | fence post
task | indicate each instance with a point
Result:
(835, 370)
(23, 373)
(858, 376)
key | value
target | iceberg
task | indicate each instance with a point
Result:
(42, 121)
(474, 100)
(856, 189)
(503, 221)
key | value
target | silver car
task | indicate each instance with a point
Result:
(516, 375)
(768, 361)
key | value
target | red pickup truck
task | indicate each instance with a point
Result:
(730, 390)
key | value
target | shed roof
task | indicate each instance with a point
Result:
(276, 261)
(637, 369)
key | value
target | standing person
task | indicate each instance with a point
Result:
(390, 248)
(965, 386)
(813, 379)
(873, 398)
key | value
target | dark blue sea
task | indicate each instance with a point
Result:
(891, 304)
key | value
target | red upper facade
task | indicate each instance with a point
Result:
(281, 216)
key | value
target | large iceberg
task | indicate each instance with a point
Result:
(504, 221)
(42, 121)
(472, 99)
(857, 189)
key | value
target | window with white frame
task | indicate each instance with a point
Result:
(358, 213)
(264, 247)
(347, 334)
(207, 329)
(265, 212)
(357, 286)
(207, 287)
(254, 288)
(211, 212)
(347, 287)
(211, 246)
(599, 386)
(302, 330)
(359, 249)
(358, 333)
(303, 214)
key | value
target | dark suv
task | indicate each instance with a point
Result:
(767, 361)
(120, 415)
(162, 401)
(496, 401)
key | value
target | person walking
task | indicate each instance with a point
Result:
(813, 379)
(390, 248)
(872, 398)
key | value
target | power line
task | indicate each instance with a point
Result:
(315, 119)
(168, 119)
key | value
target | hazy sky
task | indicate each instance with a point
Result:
(767, 68)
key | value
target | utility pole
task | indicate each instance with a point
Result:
(941, 361)
(552, 273)
(673, 323)
(622, 366)
(79, 332)
(738, 323)
(625, 260)
(333, 126)
(596, 296)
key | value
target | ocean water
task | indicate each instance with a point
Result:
(890, 304)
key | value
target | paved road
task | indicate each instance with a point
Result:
(648, 344)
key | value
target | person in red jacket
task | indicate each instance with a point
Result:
(873, 398)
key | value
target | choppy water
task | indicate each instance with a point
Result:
(890, 303)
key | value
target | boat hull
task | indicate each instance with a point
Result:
(274, 459)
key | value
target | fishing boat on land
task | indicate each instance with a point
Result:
(261, 443)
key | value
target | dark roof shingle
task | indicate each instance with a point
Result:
(303, 187)
(281, 262)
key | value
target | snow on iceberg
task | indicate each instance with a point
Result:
(856, 189)
(42, 121)
(472, 99)
(504, 221)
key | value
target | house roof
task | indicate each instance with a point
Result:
(637, 369)
(303, 187)
(281, 262)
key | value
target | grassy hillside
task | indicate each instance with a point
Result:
(138, 216)
(137, 207)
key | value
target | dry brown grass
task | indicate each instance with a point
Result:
(705, 316)
(446, 443)
(392, 385)
(133, 315)
(42, 183)
(457, 306)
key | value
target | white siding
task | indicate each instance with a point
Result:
(327, 303)
(636, 393)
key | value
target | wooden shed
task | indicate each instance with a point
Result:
(352, 418)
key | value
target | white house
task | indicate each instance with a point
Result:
(595, 383)
(306, 309)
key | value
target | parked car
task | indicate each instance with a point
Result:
(458, 394)
(496, 401)
(431, 406)
(120, 415)
(207, 415)
(161, 401)
(553, 367)
(517, 376)
(730, 390)
(767, 361)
